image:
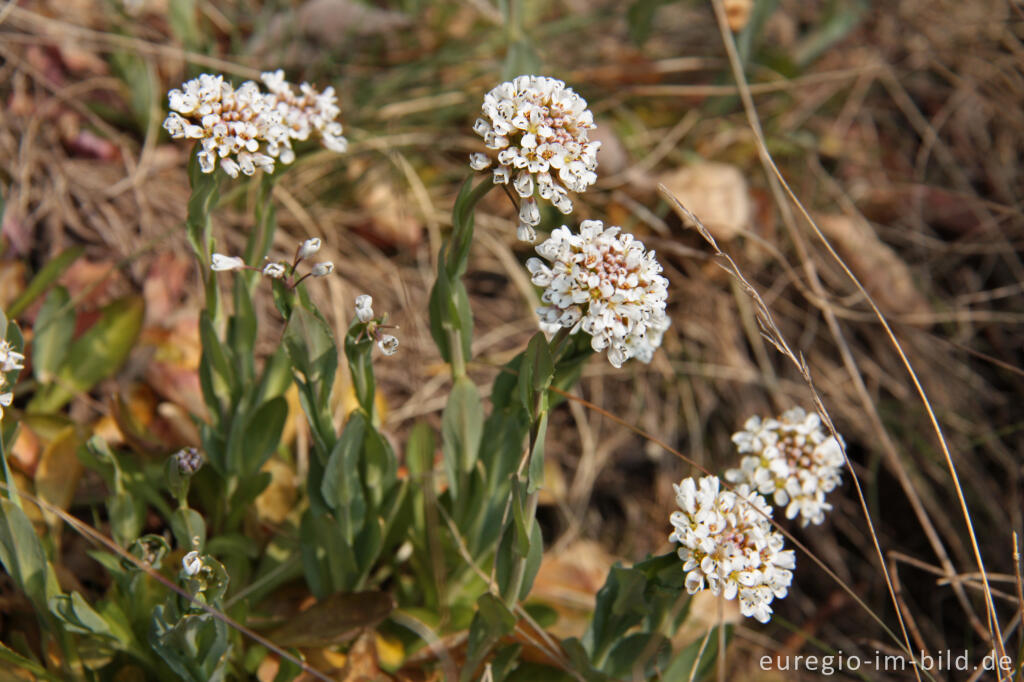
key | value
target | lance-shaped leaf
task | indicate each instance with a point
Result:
(95, 355)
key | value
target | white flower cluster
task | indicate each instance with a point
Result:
(244, 128)
(10, 360)
(387, 343)
(793, 459)
(729, 546)
(538, 128)
(605, 283)
(310, 112)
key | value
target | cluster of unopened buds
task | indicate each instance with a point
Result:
(10, 360)
(245, 128)
(375, 326)
(188, 460)
(281, 270)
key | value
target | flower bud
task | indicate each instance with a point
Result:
(192, 563)
(323, 269)
(364, 308)
(220, 262)
(275, 270)
(189, 461)
(309, 247)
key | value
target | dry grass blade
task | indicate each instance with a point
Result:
(775, 177)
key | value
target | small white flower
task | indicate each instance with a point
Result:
(606, 284)
(364, 308)
(729, 546)
(5, 401)
(793, 459)
(478, 161)
(192, 563)
(388, 344)
(323, 269)
(10, 359)
(537, 127)
(219, 262)
(309, 247)
(275, 270)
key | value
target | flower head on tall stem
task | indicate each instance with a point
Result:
(234, 127)
(728, 545)
(791, 458)
(244, 128)
(535, 129)
(607, 284)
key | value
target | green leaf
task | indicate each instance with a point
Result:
(216, 360)
(620, 604)
(640, 655)
(327, 558)
(341, 487)
(379, 466)
(23, 558)
(189, 529)
(310, 344)
(360, 365)
(461, 428)
(95, 355)
(21, 662)
(535, 373)
(242, 327)
(127, 515)
(697, 659)
(195, 647)
(78, 616)
(492, 621)
(54, 327)
(419, 450)
(205, 192)
(43, 279)
(263, 433)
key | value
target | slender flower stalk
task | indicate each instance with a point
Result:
(729, 546)
(605, 283)
(792, 459)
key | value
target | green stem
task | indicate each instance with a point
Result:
(262, 237)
